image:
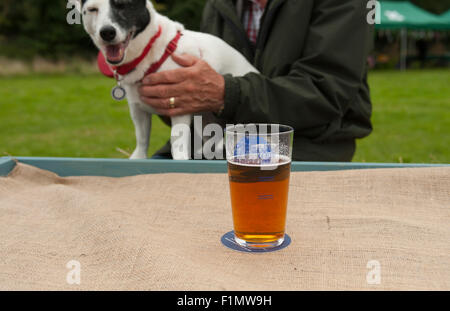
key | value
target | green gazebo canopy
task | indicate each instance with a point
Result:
(403, 14)
(445, 17)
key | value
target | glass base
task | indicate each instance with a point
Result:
(259, 245)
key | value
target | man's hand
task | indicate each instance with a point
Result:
(196, 88)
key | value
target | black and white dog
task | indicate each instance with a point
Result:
(123, 30)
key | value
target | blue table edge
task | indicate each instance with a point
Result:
(121, 167)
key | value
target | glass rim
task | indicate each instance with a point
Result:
(288, 129)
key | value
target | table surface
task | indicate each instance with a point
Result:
(163, 231)
(122, 167)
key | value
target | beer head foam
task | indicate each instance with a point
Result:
(255, 150)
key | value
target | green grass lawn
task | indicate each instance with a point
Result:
(67, 116)
(74, 116)
(411, 118)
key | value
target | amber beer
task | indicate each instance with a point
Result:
(259, 164)
(259, 198)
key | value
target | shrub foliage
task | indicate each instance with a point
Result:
(39, 27)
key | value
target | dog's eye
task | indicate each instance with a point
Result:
(93, 10)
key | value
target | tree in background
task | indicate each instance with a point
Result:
(39, 27)
(188, 13)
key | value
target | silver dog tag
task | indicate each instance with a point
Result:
(118, 93)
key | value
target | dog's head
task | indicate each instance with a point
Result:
(112, 24)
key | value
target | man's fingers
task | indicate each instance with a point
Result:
(172, 76)
(162, 91)
(157, 103)
(185, 60)
(164, 103)
(162, 106)
(166, 77)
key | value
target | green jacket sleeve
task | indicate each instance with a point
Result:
(321, 86)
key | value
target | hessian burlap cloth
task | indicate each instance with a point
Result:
(162, 232)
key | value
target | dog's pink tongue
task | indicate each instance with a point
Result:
(113, 53)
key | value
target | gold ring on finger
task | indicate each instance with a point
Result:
(172, 103)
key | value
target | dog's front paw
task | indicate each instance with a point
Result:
(138, 155)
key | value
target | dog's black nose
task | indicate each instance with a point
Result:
(108, 33)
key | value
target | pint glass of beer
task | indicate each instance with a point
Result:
(259, 164)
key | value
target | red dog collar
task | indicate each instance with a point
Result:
(127, 68)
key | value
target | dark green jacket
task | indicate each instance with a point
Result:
(312, 55)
